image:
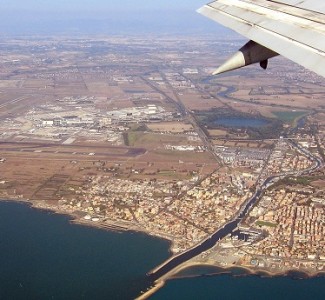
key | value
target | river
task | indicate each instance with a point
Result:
(212, 240)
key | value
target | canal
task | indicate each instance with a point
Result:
(227, 228)
(212, 240)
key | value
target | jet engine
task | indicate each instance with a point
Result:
(249, 54)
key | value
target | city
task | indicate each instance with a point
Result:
(126, 136)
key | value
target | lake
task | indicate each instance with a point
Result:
(240, 122)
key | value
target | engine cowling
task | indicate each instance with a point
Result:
(250, 53)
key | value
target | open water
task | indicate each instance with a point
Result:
(43, 256)
(227, 287)
(240, 122)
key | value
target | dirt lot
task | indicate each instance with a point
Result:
(174, 127)
(50, 172)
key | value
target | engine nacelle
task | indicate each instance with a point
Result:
(249, 54)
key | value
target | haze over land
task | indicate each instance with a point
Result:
(104, 17)
(109, 113)
(142, 117)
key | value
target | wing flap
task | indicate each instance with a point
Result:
(290, 31)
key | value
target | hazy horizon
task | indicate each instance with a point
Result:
(20, 17)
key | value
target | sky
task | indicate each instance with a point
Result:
(100, 5)
(103, 16)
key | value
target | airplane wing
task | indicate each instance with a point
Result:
(294, 29)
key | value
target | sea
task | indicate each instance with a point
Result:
(44, 256)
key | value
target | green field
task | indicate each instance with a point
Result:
(131, 137)
(288, 116)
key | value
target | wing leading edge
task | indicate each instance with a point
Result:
(276, 27)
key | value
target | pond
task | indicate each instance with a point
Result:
(240, 122)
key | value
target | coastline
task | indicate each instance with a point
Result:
(247, 272)
(74, 218)
(151, 291)
(172, 275)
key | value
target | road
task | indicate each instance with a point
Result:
(13, 101)
(210, 242)
(227, 228)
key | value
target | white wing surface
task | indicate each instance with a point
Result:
(292, 28)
